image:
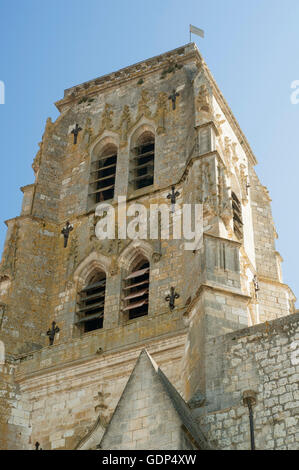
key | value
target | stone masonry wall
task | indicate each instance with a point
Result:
(15, 429)
(144, 417)
(265, 359)
(57, 394)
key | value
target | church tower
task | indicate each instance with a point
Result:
(76, 311)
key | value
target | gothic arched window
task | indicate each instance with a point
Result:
(237, 216)
(91, 303)
(142, 161)
(136, 290)
(102, 175)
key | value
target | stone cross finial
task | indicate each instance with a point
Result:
(173, 98)
(52, 332)
(171, 298)
(256, 283)
(66, 233)
(256, 286)
(247, 185)
(173, 195)
(75, 132)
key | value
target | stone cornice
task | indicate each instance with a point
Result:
(224, 240)
(223, 290)
(267, 328)
(194, 157)
(32, 217)
(27, 187)
(214, 288)
(124, 75)
(208, 124)
(267, 280)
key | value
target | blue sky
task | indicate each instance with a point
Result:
(251, 47)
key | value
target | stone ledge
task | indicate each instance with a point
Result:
(114, 363)
(267, 328)
(82, 349)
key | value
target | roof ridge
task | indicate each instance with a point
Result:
(180, 406)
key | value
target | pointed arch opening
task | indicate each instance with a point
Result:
(142, 160)
(91, 303)
(102, 174)
(136, 289)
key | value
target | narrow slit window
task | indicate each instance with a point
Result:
(90, 306)
(237, 216)
(136, 291)
(102, 176)
(142, 167)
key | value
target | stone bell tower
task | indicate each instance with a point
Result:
(76, 311)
